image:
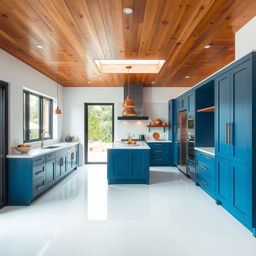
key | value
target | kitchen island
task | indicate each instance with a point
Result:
(128, 164)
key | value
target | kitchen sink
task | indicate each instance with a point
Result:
(51, 147)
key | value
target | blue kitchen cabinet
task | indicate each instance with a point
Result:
(28, 178)
(60, 164)
(172, 136)
(173, 132)
(223, 114)
(234, 142)
(182, 103)
(128, 166)
(139, 162)
(50, 169)
(205, 172)
(160, 153)
(191, 103)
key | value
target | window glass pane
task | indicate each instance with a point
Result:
(34, 116)
(46, 116)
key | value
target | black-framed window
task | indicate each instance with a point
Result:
(38, 116)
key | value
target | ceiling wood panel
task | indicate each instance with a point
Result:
(75, 32)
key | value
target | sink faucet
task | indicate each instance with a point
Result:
(42, 138)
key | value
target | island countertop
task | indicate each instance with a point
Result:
(120, 145)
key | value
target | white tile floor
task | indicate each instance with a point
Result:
(84, 216)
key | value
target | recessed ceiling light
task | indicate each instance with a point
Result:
(207, 46)
(138, 66)
(127, 10)
(89, 82)
(39, 46)
(187, 77)
(152, 82)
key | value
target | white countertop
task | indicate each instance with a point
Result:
(207, 150)
(159, 141)
(120, 145)
(34, 152)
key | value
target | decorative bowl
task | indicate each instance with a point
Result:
(158, 122)
(156, 135)
(23, 150)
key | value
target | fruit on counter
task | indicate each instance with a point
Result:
(158, 122)
(24, 146)
(133, 142)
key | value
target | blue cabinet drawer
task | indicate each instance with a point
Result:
(39, 186)
(162, 151)
(38, 160)
(206, 183)
(159, 161)
(205, 157)
(38, 171)
(157, 145)
(205, 167)
(50, 156)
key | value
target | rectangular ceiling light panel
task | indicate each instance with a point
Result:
(138, 66)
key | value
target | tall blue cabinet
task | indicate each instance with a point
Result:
(235, 140)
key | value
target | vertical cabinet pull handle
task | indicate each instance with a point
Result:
(230, 133)
(227, 133)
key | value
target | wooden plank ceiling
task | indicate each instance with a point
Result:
(75, 32)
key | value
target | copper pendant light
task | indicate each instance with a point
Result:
(128, 103)
(57, 111)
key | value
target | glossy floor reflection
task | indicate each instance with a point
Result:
(84, 216)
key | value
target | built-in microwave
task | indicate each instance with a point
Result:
(191, 122)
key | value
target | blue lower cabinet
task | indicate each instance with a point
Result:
(60, 165)
(160, 153)
(50, 167)
(128, 166)
(234, 191)
(28, 178)
(205, 172)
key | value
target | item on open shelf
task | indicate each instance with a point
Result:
(156, 136)
(209, 109)
(164, 124)
(158, 122)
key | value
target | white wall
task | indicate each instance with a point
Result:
(155, 106)
(245, 39)
(19, 76)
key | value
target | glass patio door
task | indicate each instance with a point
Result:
(99, 131)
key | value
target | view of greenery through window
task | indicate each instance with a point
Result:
(34, 117)
(99, 131)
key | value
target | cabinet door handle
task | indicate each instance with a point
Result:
(230, 133)
(36, 173)
(227, 133)
(158, 159)
(203, 167)
(159, 151)
(40, 187)
(61, 161)
(40, 159)
(204, 182)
